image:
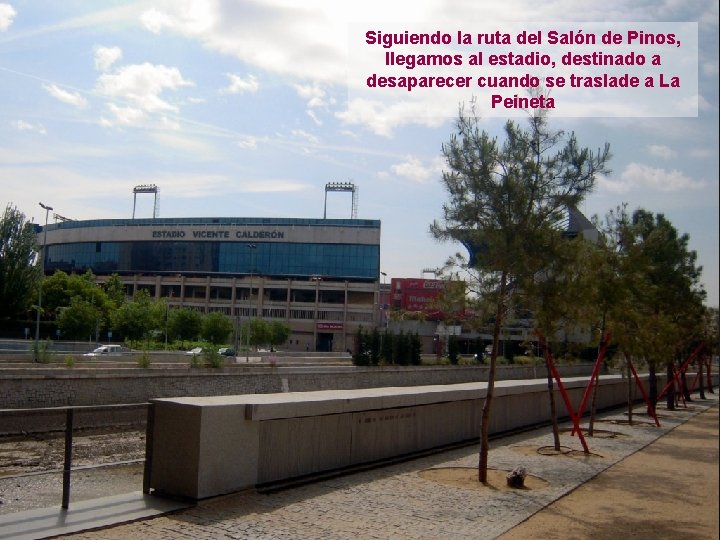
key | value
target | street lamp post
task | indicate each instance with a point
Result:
(47, 209)
(247, 332)
(383, 305)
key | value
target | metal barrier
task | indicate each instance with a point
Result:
(69, 420)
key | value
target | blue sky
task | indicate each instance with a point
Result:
(241, 108)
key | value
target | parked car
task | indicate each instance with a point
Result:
(106, 350)
(226, 351)
(195, 351)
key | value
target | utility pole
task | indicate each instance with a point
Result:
(47, 209)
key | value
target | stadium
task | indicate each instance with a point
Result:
(320, 276)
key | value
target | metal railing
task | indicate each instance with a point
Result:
(69, 427)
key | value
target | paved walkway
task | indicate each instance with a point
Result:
(398, 502)
(669, 489)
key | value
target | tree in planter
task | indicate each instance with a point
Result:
(711, 336)
(80, 319)
(453, 350)
(557, 297)
(386, 347)
(115, 290)
(398, 349)
(672, 296)
(374, 346)
(216, 327)
(617, 276)
(138, 318)
(278, 333)
(415, 350)
(184, 323)
(361, 356)
(504, 201)
(19, 273)
(78, 303)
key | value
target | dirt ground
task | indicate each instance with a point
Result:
(658, 492)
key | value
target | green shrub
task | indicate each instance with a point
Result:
(212, 358)
(41, 351)
(144, 360)
(69, 361)
(467, 361)
(524, 360)
(197, 361)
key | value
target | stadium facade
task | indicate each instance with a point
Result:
(321, 276)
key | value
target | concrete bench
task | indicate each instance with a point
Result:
(207, 446)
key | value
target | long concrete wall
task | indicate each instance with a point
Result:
(206, 446)
(59, 387)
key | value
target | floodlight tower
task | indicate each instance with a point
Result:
(146, 188)
(343, 186)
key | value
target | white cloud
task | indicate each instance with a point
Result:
(22, 125)
(417, 171)
(238, 85)
(661, 151)
(7, 14)
(304, 135)
(105, 57)
(637, 176)
(142, 85)
(72, 98)
(314, 93)
(383, 119)
(316, 97)
(188, 16)
(125, 115)
(155, 20)
(247, 143)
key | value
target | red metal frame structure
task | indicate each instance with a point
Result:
(702, 362)
(638, 383)
(678, 372)
(576, 416)
(593, 377)
(556, 375)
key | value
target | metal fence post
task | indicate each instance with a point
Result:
(67, 467)
(149, 428)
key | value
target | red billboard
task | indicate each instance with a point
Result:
(413, 294)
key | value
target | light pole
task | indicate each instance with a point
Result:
(47, 209)
(167, 317)
(385, 305)
(247, 333)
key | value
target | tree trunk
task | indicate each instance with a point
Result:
(593, 407)
(684, 386)
(487, 406)
(553, 408)
(701, 361)
(629, 390)
(709, 376)
(652, 389)
(597, 382)
(670, 401)
(593, 403)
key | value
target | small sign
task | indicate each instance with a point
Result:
(329, 326)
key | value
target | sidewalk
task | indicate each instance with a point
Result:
(671, 465)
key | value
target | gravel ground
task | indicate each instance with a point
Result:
(31, 467)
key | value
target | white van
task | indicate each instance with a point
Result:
(106, 350)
